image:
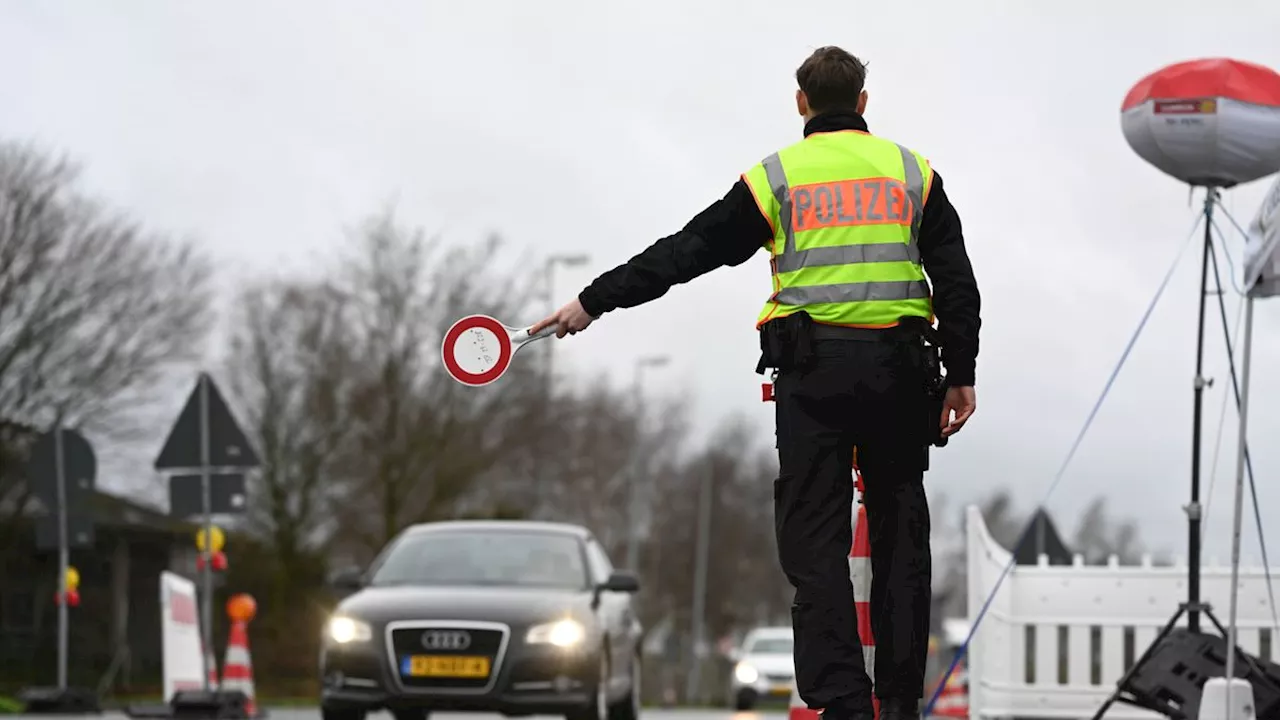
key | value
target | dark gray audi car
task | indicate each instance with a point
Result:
(511, 617)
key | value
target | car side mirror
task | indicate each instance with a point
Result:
(621, 581)
(348, 579)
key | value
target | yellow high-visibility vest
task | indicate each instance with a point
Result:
(845, 208)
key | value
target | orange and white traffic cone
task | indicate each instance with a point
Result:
(860, 573)
(953, 701)
(237, 669)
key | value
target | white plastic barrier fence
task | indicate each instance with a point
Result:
(1056, 639)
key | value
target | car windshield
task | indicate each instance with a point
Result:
(770, 646)
(525, 559)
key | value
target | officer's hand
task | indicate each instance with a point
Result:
(959, 400)
(568, 320)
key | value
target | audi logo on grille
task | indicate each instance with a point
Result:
(446, 639)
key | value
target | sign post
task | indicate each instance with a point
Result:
(61, 471)
(206, 438)
(64, 556)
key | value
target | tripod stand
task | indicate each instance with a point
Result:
(1194, 606)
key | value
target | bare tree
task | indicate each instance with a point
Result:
(949, 542)
(1003, 522)
(745, 582)
(596, 438)
(291, 366)
(419, 439)
(93, 309)
(1099, 536)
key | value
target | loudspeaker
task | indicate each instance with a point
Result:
(1172, 679)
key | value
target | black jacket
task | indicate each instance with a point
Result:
(732, 229)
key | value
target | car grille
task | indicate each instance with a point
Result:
(778, 678)
(407, 642)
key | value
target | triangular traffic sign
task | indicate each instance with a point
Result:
(228, 446)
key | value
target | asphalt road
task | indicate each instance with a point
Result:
(655, 714)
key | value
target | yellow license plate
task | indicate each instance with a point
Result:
(780, 690)
(447, 666)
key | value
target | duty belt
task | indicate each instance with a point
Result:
(897, 333)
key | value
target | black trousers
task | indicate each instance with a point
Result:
(870, 394)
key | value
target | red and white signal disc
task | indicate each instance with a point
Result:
(477, 350)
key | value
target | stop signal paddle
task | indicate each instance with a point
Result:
(478, 349)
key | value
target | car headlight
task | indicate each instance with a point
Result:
(561, 633)
(343, 630)
(745, 673)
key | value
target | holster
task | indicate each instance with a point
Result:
(934, 379)
(786, 343)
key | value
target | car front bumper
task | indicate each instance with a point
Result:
(526, 679)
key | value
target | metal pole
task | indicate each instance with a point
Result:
(1193, 507)
(1246, 352)
(529, 491)
(700, 581)
(64, 553)
(206, 607)
(633, 487)
(634, 498)
(549, 267)
(551, 307)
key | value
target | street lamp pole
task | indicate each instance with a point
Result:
(634, 496)
(549, 272)
(549, 266)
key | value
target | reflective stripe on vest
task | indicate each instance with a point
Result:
(791, 259)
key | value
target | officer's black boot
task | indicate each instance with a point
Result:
(899, 709)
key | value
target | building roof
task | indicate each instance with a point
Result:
(1044, 540)
(112, 510)
(109, 509)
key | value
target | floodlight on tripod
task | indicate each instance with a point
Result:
(1213, 124)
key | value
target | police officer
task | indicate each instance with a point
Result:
(851, 221)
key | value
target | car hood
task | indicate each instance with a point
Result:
(515, 606)
(771, 664)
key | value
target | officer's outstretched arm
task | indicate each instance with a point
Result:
(728, 232)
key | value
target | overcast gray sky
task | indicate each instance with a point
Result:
(265, 127)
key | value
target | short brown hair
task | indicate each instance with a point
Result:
(832, 79)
